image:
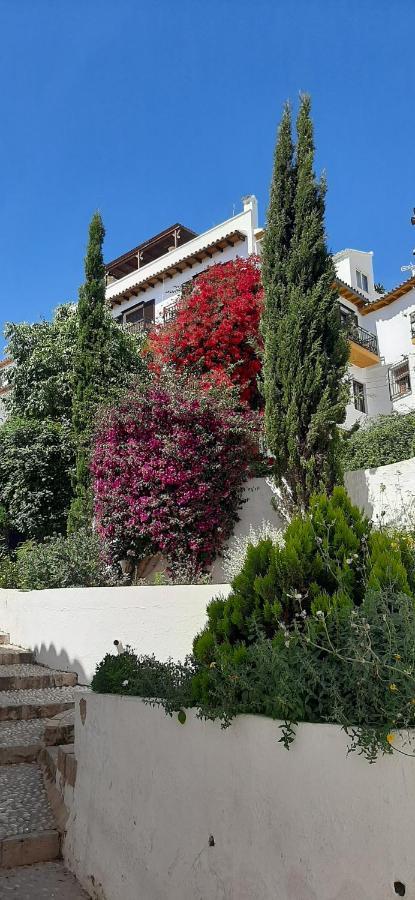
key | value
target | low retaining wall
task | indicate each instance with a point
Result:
(386, 494)
(165, 811)
(73, 628)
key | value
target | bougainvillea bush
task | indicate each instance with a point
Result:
(215, 332)
(168, 466)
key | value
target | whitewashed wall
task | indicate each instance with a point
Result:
(386, 493)
(73, 628)
(308, 824)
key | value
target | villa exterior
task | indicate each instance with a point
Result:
(143, 285)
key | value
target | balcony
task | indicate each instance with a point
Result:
(364, 349)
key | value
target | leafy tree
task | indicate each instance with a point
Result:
(36, 458)
(104, 358)
(42, 374)
(305, 355)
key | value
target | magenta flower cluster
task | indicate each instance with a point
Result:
(168, 466)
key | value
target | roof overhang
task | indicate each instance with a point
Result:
(351, 294)
(391, 296)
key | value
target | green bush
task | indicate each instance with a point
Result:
(73, 561)
(388, 439)
(329, 557)
(144, 676)
(354, 667)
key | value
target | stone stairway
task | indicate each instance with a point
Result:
(35, 714)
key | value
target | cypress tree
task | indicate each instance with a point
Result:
(305, 350)
(91, 370)
(274, 258)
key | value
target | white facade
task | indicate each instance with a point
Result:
(161, 279)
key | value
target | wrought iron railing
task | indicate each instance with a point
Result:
(136, 327)
(363, 338)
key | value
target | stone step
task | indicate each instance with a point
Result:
(37, 704)
(27, 827)
(49, 881)
(60, 729)
(20, 741)
(11, 656)
(4, 638)
(48, 757)
(26, 676)
(67, 764)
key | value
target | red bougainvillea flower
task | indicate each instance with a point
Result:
(169, 463)
(215, 333)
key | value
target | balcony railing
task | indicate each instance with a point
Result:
(362, 337)
(136, 327)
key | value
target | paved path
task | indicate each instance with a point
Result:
(45, 881)
(29, 693)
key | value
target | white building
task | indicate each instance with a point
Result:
(382, 337)
(143, 286)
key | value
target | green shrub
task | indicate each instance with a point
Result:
(328, 558)
(145, 676)
(73, 561)
(354, 667)
(388, 439)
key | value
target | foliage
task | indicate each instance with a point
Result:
(43, 355)
(59, 562)
(305, 349)
(329, 558)
(41, 377)
(99, 372)
(234, 555)
(144, 676)
(385, 440)
(215, 332)
(349, 666)
(35, 486)
(169, 464)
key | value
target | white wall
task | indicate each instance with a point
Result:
(386, 494)
(73, 628)
(308, 824)
(348, 261)
(375, 380)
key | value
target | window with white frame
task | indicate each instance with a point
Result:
(399, 380)
(362, 281)
(359, 396)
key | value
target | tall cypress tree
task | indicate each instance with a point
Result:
(275, 254)
(91, 370)
(305, 350)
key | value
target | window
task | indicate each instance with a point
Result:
(399, 380)
(141, 315)
(412, 320)
(362, 281)
(359, 396)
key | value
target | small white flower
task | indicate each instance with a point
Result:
(124, 684)
(320, 614)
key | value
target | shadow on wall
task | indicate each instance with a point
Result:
(49, 656)
(256, 508)
(357, 486)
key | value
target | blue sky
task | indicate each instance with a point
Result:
(161, 111)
